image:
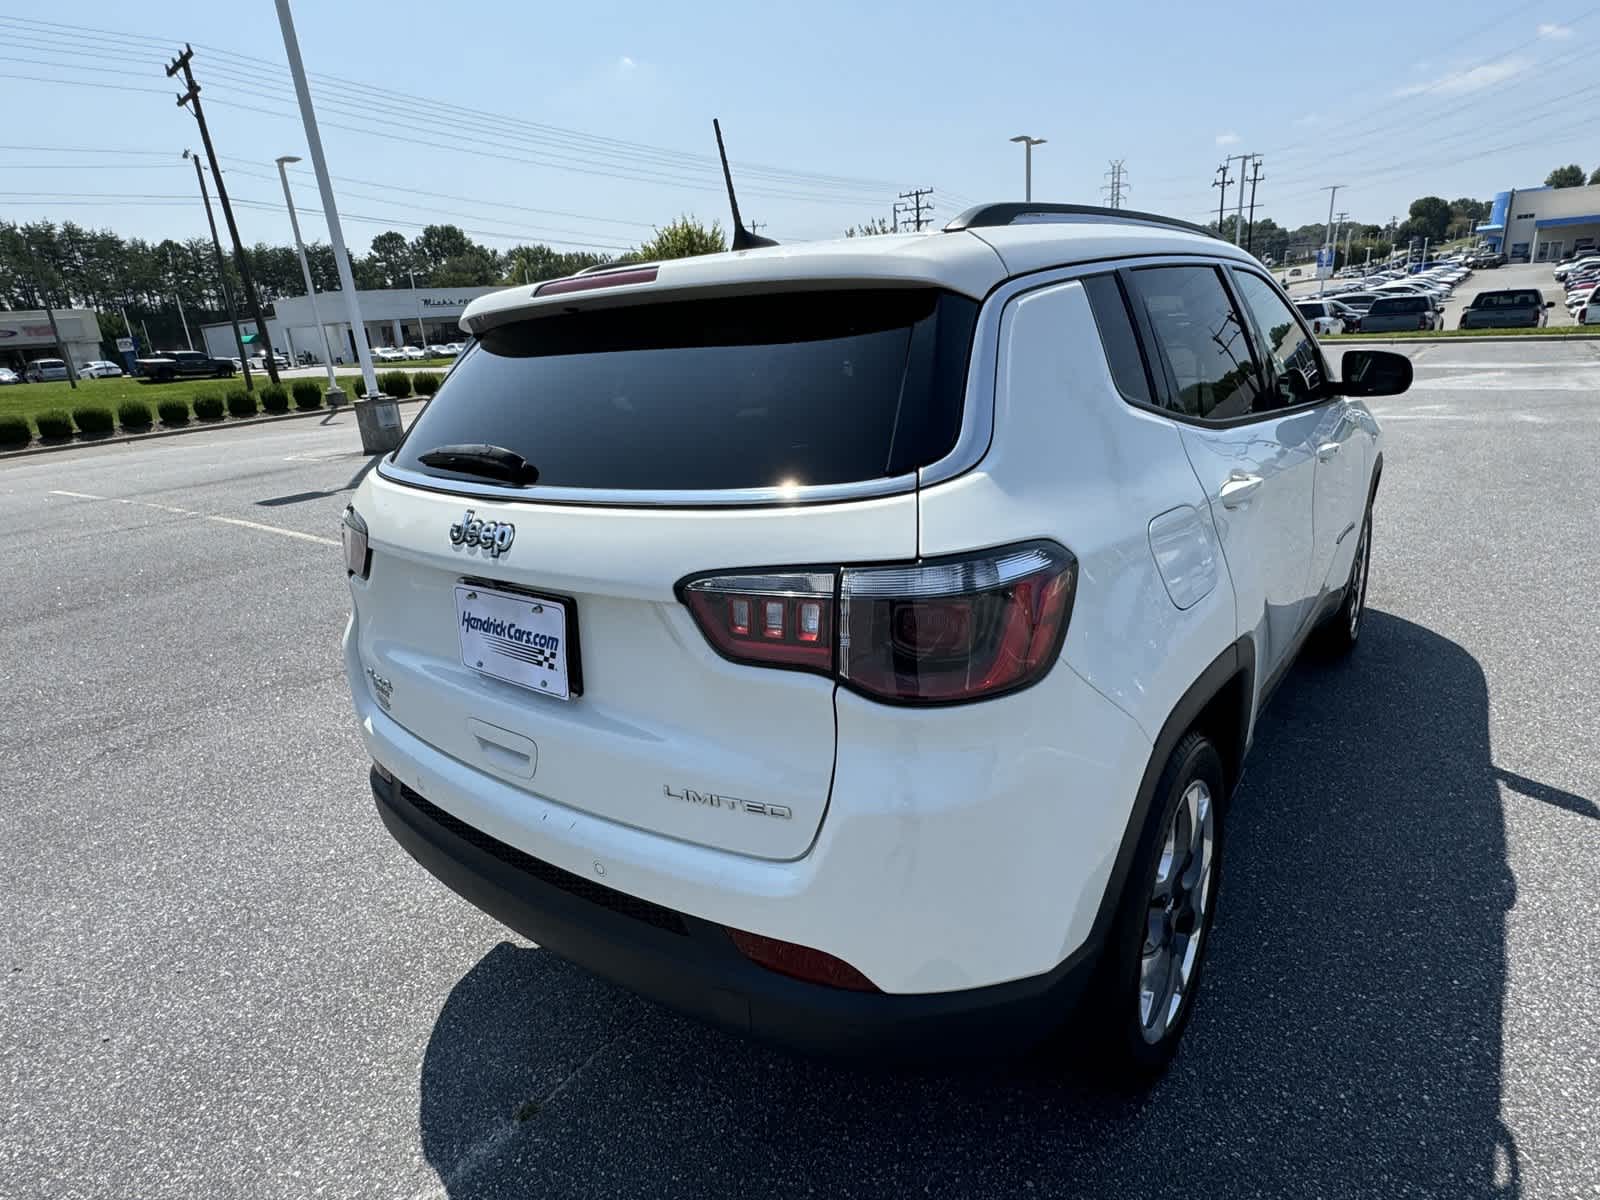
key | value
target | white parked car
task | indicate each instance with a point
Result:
(98, 368)
(856, 643)
(387, 354)
(1321, 316)
(7, 375)
(413, 352)
(446, 350)
(46, 370)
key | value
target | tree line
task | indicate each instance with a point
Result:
(70, 266)
(1430, 217)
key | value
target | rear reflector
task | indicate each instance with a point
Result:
(602, 279)
(800, 962)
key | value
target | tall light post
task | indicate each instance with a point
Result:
(380, 420)
(1028, 143)
(1327, 238)
(416, 298)
(335, 396)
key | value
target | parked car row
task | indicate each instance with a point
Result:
(54, 370)
(413, 353)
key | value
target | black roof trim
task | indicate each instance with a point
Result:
(984, 216)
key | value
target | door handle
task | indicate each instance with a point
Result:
(1237, 489)
(1327, 450)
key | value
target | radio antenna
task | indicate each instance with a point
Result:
(743, 239)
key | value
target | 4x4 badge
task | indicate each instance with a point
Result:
(493, 536)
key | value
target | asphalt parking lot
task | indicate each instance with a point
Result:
(1520, 275)
(223, 979)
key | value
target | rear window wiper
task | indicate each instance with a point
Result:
(481, 458)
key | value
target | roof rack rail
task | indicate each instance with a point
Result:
(985, 216)
(602, 268)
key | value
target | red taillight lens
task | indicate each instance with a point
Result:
(933, 632)
(800, 962)
(780, 620)
(957, 629)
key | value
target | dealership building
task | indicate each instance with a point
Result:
(25, 336)
(1543, 224)
(392, 317)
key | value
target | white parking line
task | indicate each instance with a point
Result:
(189, 512)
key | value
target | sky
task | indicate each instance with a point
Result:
(585, 126)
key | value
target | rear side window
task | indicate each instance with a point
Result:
(798, 388)
(1311, 310)
(1201, 338)
(1116, 332)
(1399, 304)
(1508, 300)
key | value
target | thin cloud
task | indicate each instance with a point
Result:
(1472, 79)
(625, 63)
(1227, 139)
(1555, 32)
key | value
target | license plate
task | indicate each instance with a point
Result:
(520, 639)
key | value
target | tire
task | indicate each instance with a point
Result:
(1341, 631)
(1144, 993)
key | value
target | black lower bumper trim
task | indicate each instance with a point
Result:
(692, 965)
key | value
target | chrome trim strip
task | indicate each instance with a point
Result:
(825, 493)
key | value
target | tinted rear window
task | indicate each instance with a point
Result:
(1508, 300)
(737, 392)
(1399, 304)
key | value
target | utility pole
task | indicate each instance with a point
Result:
(192, 96)
(1327, 237)
(1338, 227)
(1238, 220)
(1255, 178)
(222, 273)
(50, 313)
(899, 210)
(917, 207)
(1348, 230)
(1221, 183)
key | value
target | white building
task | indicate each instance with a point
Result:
(393, 317)
(25, 336)
(1543, 224)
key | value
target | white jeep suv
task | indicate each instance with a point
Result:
(856, 643)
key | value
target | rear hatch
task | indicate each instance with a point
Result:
(670, 440)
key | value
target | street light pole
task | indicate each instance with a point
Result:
(335, 396)
(1028, 143)
(1327, 237)
(416, 298)
(330, 210)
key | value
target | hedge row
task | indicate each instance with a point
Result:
(138, 416)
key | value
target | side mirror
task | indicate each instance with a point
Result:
(1549, 303)
(1374, 373)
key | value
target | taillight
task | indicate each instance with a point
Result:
(782, 619)
(937, 631)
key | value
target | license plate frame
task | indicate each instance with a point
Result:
(504, 594)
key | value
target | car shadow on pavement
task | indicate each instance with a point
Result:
(1347, 1039)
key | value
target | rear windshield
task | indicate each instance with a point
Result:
(1399, 304)
(750, 391)
(1508, 300)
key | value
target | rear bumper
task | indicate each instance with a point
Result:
(691, 964)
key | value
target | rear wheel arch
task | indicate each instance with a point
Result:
(1220, 705)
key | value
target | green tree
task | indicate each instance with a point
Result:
(1430, 218)
(1594, 178)
(870, 228)
(530, 264)
(438, 244)
(391, 257)
(1570, 175)
(683, 238)
(477, 266)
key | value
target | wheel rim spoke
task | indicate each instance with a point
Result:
(1175, 920)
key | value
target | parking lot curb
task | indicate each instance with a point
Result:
(79, 443)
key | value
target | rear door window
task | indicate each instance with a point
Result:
(1117, 334)
(800, 388)
(1201, 338)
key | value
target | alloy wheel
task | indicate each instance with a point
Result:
(1176, 921)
